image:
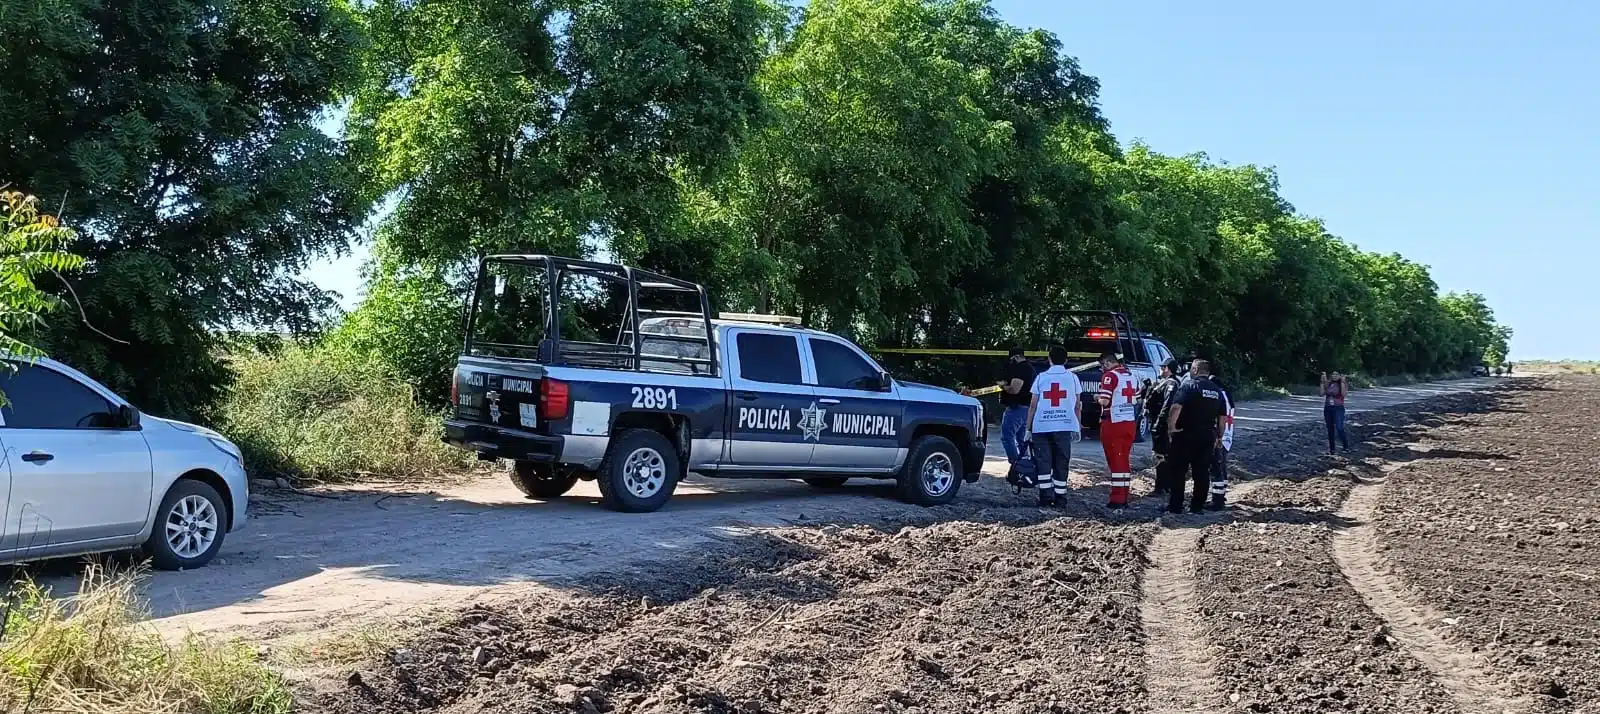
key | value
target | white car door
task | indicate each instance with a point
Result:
(75, 477)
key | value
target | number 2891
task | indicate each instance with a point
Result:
(654, 398)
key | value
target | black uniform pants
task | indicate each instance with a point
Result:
(1190, 455)
(1164, 473)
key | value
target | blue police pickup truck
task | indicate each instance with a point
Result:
(578, 370)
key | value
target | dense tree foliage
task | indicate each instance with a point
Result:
(908, 172)
(179, 137)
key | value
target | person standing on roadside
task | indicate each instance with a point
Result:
(1015, 388)
(1155, 404)
(1194, 430)
(1334, 390)
(1119, 409)
(1055, 412)
(1219, 466)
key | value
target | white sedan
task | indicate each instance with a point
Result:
(84, 472)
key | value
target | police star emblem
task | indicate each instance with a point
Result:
(811, 422)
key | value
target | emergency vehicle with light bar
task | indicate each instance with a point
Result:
(568, 374)
(1086, 334)
(1091, 333)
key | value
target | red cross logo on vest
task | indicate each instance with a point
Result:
(1055, 394)
(1128, 390)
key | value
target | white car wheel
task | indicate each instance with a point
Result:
(189, 526)
(192, 526)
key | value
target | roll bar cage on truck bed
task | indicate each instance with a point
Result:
(627, 351)
(676, 392)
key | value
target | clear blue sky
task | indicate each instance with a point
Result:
(1463, 135)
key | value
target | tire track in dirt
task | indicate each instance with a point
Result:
(1180, 676)
(1468, 681)
(1179, 673)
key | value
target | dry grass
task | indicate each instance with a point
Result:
(304, 413)
(95, 653)
(366, 642)
(1558, 367)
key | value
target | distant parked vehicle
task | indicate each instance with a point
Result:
(84, 472)
(1481, 370)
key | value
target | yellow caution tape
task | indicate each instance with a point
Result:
(974, 353)
(981, 391)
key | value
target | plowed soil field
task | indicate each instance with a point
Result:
(1447, 565)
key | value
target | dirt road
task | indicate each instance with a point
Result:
(306, 562)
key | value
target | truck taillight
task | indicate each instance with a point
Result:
(455, 390)
(553, 399)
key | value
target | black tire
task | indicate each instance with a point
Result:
(1141, 429)
(162, 553)
(619, 491)
(916, 489)
(827, 481)
(540, 480)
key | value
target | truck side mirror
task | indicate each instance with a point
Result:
(885, 382)
(128, 417)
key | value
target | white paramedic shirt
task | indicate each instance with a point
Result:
(1058, 391)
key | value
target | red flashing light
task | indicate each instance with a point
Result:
(1102, 334)
(553, 399)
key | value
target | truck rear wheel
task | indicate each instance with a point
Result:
(932, 472)
(537, 480)
(639, 473)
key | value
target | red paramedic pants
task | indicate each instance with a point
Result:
(1117, 440)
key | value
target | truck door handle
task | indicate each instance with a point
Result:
(747, 396)
(828, 401)
(37, 457)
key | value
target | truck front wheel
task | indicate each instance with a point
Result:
(932, 472)
(639, 473)
(536, 480)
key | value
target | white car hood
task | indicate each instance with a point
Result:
(186, 427)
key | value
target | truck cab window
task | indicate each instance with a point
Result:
(41, 398)
(765, 357)
(840, 367)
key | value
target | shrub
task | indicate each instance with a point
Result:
(95, 653)
(410, 321)
(302, 411)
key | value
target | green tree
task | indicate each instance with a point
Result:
(181, 137)
(906, 187)
(551, 126)
(1480, 339)
(31, 245)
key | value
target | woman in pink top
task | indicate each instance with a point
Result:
(1333, 394)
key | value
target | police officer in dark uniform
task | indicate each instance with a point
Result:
(1195, 422)
(1155, 405)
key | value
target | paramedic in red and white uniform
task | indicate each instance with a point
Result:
(1119, 410)
(1219, 470)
